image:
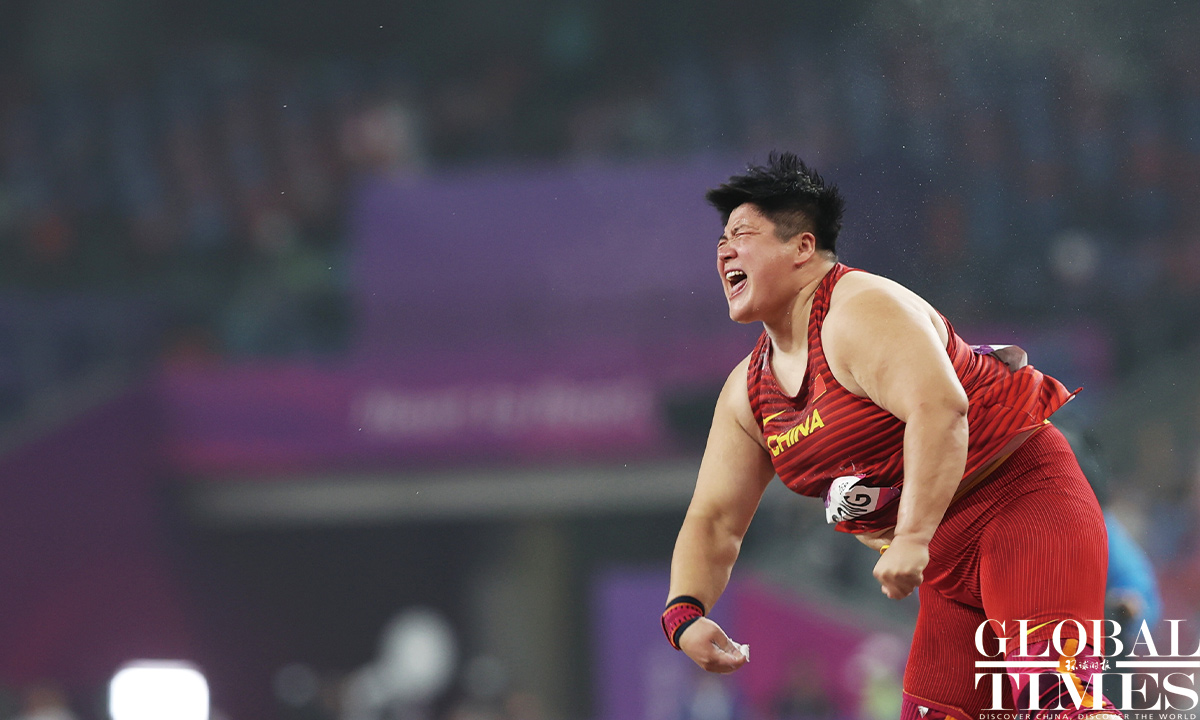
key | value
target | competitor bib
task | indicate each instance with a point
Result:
(848, 498)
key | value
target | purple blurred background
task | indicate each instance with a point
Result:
(363, 357)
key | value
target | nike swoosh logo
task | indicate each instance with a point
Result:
(1030, 630)
(769, 418)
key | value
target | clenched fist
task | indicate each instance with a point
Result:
(900, 569)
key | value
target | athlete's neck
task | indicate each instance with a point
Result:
(789, 333)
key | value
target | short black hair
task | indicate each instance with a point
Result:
(791, 194)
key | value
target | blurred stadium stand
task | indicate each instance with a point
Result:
(311, 316)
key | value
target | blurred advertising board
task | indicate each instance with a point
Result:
(602, 403)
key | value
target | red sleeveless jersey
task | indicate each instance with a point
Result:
(826, 432)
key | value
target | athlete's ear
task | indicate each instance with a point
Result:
(806, 247)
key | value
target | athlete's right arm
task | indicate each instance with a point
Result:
(734, 473)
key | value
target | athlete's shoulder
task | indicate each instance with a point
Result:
(737, 383)
(864, 307)
(734, 401)
(865, 286)
(860, 294)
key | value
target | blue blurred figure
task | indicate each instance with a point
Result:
(1132, 595)
(1132, 585)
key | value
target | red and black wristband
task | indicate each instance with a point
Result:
(681, 612)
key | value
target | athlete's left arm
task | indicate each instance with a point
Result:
(886, 345)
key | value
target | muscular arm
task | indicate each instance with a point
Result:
(733, 475)
(887, 346)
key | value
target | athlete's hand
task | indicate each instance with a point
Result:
(900, 569)
(709, 647)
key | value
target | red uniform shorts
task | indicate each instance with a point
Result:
(1027, 544)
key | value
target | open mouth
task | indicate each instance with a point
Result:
(735, 278)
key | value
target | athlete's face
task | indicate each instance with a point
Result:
(756, 266)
